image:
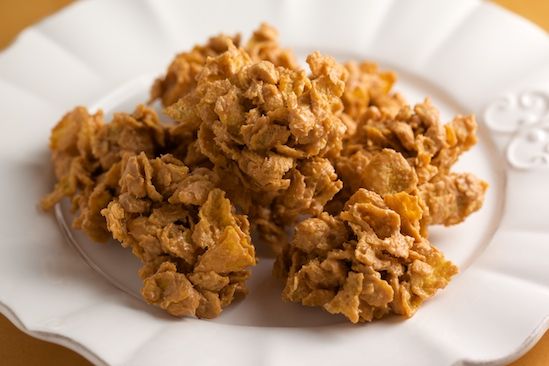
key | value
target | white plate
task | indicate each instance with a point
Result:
(469, 56)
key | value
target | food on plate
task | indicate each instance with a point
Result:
(87, 153)
(196, 252)
(331, 167)
(180, 77)
(268, 131)
(368, 261)
(411, 150)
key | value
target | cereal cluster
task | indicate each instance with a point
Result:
(334, 171)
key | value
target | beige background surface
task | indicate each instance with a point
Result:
(17, 348)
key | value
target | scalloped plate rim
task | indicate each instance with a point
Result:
(58, 338)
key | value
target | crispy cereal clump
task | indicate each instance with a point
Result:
(412, 152)
(367, 262)
(86, 154)
(368, 86)
(263, 45)
(245, 112)
(195, 251)
(331, 168)
(181, 75)
(417, 134)
(268, 131)
(451, 198)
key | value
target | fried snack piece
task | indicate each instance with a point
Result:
(313, 183)
(365, 263)
(263, 45)
(255, 112)
(430, 146)
(412, 152)
(86, 153)
(181, 75)
(451, 198)
(367, 86)
(268, 131)
(180, 78)
(382, 171)
(195, 251)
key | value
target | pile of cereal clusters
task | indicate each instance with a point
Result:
(259, 145)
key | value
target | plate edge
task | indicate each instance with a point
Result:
(52, 337)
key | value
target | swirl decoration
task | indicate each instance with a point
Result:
(525, 116)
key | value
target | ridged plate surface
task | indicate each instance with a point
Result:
(469, 56)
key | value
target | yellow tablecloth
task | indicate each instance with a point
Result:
(17, 348)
